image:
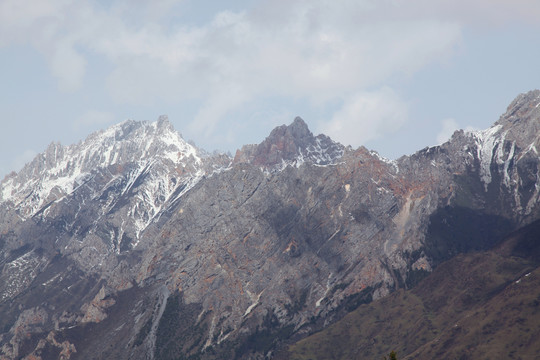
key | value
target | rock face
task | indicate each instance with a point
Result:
(477, 305)
(135, 244)
(291, 146)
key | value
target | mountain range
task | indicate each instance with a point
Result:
(134, 244)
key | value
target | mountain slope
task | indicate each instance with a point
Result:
(140, 242)
(481, 305)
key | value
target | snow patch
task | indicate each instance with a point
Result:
(532, 147)
(255, 303)
(318, 302)
(507, 164)
(486, 140)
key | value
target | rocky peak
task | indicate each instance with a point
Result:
(61, 169)
(291, 145)
(163, 121)
(164, 125)
(284, 143)
(521, 109)
(502, 154)
(298, 129)
(521, 122)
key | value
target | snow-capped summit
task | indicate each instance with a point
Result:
(512, 138)
(60, 170)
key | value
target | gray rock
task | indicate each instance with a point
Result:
(151, 248)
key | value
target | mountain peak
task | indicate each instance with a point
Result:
(523, 107)
(63, 168)
(521, 121)
(520, 125)
(299, 128)
(164, 124)
(291, 145)
(296, 132)
(162, 120)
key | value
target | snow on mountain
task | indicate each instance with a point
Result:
(291, 145)
(486, 141)
(134, 222)
(512, 137)
(61, 170)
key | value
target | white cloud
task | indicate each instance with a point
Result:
(20, 19)
(367, 116)
(316, 50)
(68, 66)
(477, 13)
(212, 111)
(319, 50)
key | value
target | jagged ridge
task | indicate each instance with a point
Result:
(275, 244)
(60, 170)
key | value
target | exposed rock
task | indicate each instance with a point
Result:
(95, 311)
(106, 236)
(291, 145)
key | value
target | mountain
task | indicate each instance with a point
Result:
(291, 146)
(135, 244)
(479, 305)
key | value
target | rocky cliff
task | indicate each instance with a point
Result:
(134, 244)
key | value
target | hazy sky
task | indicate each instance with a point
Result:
(393, 75)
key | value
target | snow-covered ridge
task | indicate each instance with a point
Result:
(324, 152)
(61, 169)
(496, 145)
(320, 153)
(486, 141)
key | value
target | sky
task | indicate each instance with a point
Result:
(392, 75)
